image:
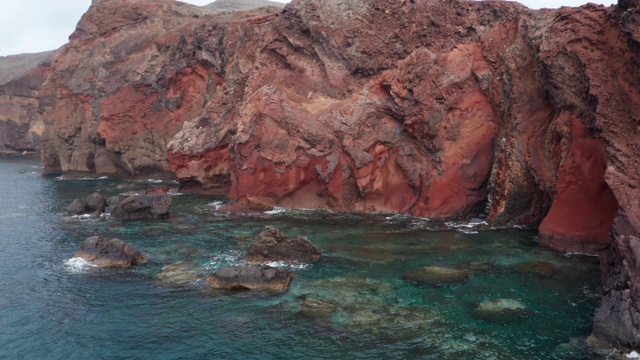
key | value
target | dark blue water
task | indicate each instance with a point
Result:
(51, 308)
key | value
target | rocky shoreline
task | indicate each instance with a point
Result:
(445, 110)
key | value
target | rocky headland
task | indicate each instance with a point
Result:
(440, 109)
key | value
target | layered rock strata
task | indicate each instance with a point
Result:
(436, 109)
(21, 118)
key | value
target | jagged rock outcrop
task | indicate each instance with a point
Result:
(271, 245)
(143, 207)
(441, 109)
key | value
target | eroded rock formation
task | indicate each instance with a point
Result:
(441, 109)
(21, 119)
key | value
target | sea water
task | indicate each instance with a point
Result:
(53, 306)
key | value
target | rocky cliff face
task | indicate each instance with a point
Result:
(437, 109)
(21, 124)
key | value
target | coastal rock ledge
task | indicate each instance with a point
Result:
(440, 109)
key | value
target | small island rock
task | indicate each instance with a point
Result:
(251, 277)
(273, 245)
(105, 252)
(137, 207)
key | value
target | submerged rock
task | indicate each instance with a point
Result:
(273, 245)
(501, 311)
(105, 252)
(179, 274)
(137, 207)
(317, 308)
(543, 269)
(251, 277)
(436, 275)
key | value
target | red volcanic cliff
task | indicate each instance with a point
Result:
(442, 109)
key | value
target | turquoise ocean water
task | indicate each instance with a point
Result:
(54, 308)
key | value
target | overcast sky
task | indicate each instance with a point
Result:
(41, 25)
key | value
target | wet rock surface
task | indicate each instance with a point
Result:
(251, 277)
(77, 207)
(95, 205)
(139, 207)
(273, 245)
(105, 252)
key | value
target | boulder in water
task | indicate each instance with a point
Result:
(435, 275)
(501, 311)
(77, 207)
(105, 252)
(251, 277)
(137, 207)
(111, 203)
(96, 203)
(273, 245)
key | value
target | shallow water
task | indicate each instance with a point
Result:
(51, 307)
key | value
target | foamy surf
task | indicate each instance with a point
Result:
(280, 264)
(216, 204)
(276, 210)
(78, 265)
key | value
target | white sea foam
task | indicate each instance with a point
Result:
(78, 265)
(280, 264)
(62, 177)
(276, 210)
(216, 204)
(224, 260)
(465, 231)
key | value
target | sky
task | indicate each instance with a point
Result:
(28, 26)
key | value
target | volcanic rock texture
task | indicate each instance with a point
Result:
(441, 109)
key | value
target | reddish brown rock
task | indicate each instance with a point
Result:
(261, 203)
(437, 109)
(21, 121)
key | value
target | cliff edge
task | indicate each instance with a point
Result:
(441, 109)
